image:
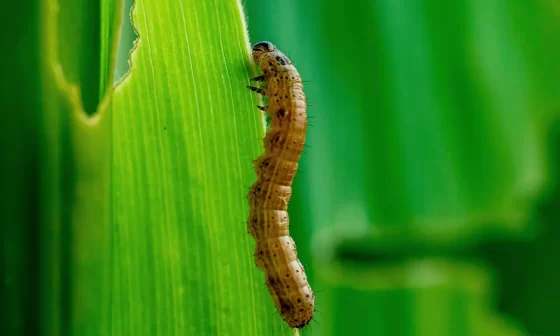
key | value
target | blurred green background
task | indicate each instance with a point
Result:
(427, 202)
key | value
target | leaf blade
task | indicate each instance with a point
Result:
(186, 130)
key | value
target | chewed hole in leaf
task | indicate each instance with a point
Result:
(126, 42)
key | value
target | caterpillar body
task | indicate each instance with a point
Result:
(275, 250)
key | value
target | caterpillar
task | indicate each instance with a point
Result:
(275, 250)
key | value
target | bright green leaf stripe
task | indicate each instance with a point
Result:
(185, 132)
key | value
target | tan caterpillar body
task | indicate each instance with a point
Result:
(275, 250)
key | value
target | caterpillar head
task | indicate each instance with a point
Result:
(261, 48)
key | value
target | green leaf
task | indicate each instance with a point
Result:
(85, 44)
(185, 132)
(75, 160)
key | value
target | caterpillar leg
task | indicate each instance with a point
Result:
(262, 108)
(258, 78)
(256, 89)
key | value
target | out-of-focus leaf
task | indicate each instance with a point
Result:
(75, 161)
(428, 133)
